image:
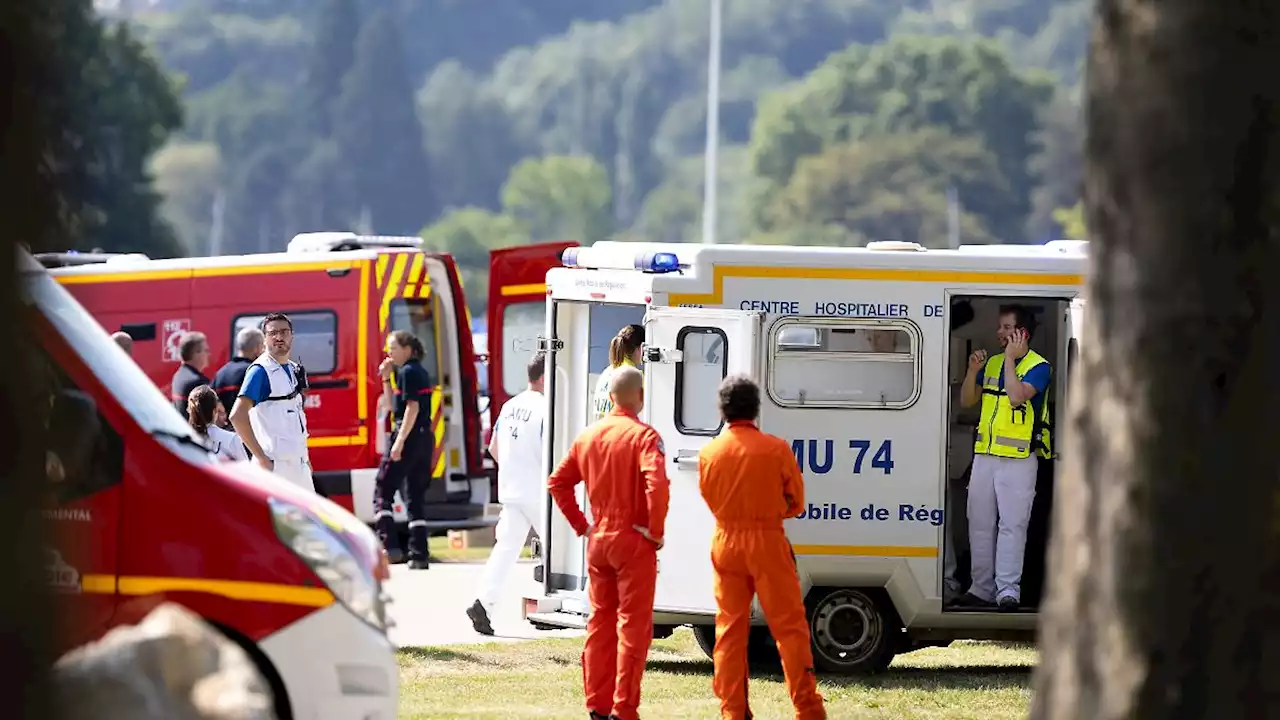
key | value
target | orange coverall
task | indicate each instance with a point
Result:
(622, 462)
(751, 483)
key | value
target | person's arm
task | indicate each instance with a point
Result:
(1021, 391)
(657, 488)
(493, 440)
(792, 480)
(971, 388)
(406, 425)
(256, 388)
(561, 484)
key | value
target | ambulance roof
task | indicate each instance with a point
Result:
(694, 260)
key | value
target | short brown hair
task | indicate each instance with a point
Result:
(537, 365)
(190, 344)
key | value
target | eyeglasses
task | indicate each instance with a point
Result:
(281, 332)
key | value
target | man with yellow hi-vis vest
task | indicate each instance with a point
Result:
(1013, 431)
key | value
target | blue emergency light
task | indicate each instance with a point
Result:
(658, 262)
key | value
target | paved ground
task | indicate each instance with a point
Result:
(430, 606)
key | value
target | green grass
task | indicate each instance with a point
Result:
(543, 679)
(439, 548)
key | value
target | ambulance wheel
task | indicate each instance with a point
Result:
(761, 649)
(852, 631)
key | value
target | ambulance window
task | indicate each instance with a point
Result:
(843, 363)
(522, 323)
(698, 374)
(315, 338)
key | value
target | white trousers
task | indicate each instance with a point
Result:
(296, 471)
(1001, 491)
(514, 522)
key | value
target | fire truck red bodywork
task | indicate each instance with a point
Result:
(517, 302)
(343, 304)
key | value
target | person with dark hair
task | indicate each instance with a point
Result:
(1013, 431)
(622, 462)
(194, 350)
(751, 483)
(516, 446)
(624, 351)
(202, 411)
(406, 466)
(268, 414)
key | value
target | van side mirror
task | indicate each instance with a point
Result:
(73, 433)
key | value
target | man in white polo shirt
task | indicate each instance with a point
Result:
(516, 446)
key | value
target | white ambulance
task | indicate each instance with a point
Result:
(860, 354)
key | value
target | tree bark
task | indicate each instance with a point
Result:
(1165, 559)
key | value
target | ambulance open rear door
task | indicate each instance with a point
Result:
(688, 351)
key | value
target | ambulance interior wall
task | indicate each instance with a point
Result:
(979, 332)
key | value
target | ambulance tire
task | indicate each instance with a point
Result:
(762, 651)
(854, 631)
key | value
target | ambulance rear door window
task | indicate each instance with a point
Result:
(703, 364)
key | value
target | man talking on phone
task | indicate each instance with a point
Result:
(1013, 429)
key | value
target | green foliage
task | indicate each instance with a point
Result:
(379, 135)
(113, 108)
(561, 198)
(908, 85)
(514, 121)
(1072, 221)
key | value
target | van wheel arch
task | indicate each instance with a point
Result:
(279, 695)
(853, 631)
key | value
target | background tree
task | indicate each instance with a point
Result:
(1165, 559)
(379, 135)
(560, 198)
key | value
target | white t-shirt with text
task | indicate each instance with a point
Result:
(518, 433)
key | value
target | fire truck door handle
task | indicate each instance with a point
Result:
(686, 459)
(329, 384)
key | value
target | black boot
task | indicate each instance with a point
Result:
(480, 619)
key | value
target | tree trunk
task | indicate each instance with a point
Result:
(1165, 560)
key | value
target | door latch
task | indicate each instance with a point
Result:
(662, 355)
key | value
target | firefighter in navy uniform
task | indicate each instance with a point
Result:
(407, 463)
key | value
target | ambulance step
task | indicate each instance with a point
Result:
(558, 620)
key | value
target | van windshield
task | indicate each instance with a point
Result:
(118, 374)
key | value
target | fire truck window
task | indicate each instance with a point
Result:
(698, 374)
(417, 317)
(522, 323)
(84, 454)
(315, 338)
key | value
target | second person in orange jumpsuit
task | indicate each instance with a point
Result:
(751, 483)
(622, 462)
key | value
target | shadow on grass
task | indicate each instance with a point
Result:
(443, 654)
(993, 677)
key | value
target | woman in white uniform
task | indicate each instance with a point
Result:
(202, 408)
(624, 349)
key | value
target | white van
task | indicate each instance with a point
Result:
(859, 353)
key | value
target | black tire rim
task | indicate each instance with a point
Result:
(846, 627)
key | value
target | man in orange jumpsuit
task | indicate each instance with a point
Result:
(751, 483)
(622, 462)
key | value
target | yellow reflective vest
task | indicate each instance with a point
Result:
(601, 403)
(1005, 430)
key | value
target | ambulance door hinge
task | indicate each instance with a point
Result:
(550, 344)
(662, 355)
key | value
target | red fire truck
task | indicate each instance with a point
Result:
(140, 513)
(517, 314)
(344, 293)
